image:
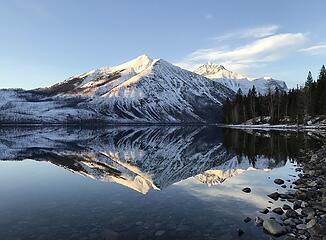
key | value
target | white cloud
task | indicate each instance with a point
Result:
(315, 49)
(254, 54)
(257, 32)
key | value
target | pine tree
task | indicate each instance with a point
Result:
(308, 108)
(321, 91)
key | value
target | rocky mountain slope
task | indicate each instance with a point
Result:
(140, 91)
(235, 81)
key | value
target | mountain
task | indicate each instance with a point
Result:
(141, 158)
(235, 81)
(139, 91)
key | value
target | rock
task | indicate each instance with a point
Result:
(283, 186)
(159, 233)
(290, 237)
(279, 181)
(307, 211)
(247, 219)
(246, 190)
(278, 211)
(240, 232)
(297, 204)
(312, 184)
(301, 226)
(300, 195)
(273, 227)
(311, 223)
(289, 222)
(286, 207)
(291, 213)
(264, 211)
(259, 221)
(274, 196)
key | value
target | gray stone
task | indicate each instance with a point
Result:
(297, 204)
(264, 211)
(247, 219)
(279, 181)
(273, 227)
(274, 195)
(301, 226)
(311, 223)
(278, 211)
(246, 190)
(286, 207)
(259, 221)
(291, 213)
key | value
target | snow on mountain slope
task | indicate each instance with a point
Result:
(139, 91)
(235, 81)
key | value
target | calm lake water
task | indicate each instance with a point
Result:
(141, 182)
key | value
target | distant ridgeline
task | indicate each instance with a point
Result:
(298, 106)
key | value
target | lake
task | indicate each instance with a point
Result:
(142, 182)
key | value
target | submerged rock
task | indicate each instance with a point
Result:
(279, 181)
(264, 211)
(286, 207)
(247, 219)
(259, 221)
(273, 227)
(291, 213)
(246, 190)
(274, 196)
(278, 211)
(240, 232)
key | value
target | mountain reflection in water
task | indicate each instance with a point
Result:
(144, 158)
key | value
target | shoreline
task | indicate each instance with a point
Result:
(304, 214)
(277, 127)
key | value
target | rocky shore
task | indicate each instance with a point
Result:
(303, 215)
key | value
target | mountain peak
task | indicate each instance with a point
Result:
(138, 64)
(213, 70)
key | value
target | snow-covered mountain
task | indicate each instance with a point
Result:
(235, 81)
(140, 158)
(139, 91)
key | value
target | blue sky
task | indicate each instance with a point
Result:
(44, 42)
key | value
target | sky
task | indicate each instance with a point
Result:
(44, 42)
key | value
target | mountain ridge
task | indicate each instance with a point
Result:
(236, 81)
(139, 91)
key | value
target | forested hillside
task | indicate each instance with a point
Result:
(296, 106)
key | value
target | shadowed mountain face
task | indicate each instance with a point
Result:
(141, 158)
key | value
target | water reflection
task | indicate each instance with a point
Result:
(144, 158)
(44, 202)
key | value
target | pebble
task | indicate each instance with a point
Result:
(275, 196)
(279, 181)
(286, 207)
(246, 190)
(278, 211)
(247, 219)
(264, 211)
(259, 221)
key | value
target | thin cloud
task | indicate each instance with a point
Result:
(257, 32)
(315, 49)
(254, 54)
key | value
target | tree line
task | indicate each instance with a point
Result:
(277, 106)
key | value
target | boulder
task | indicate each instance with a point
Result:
(273, 227)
